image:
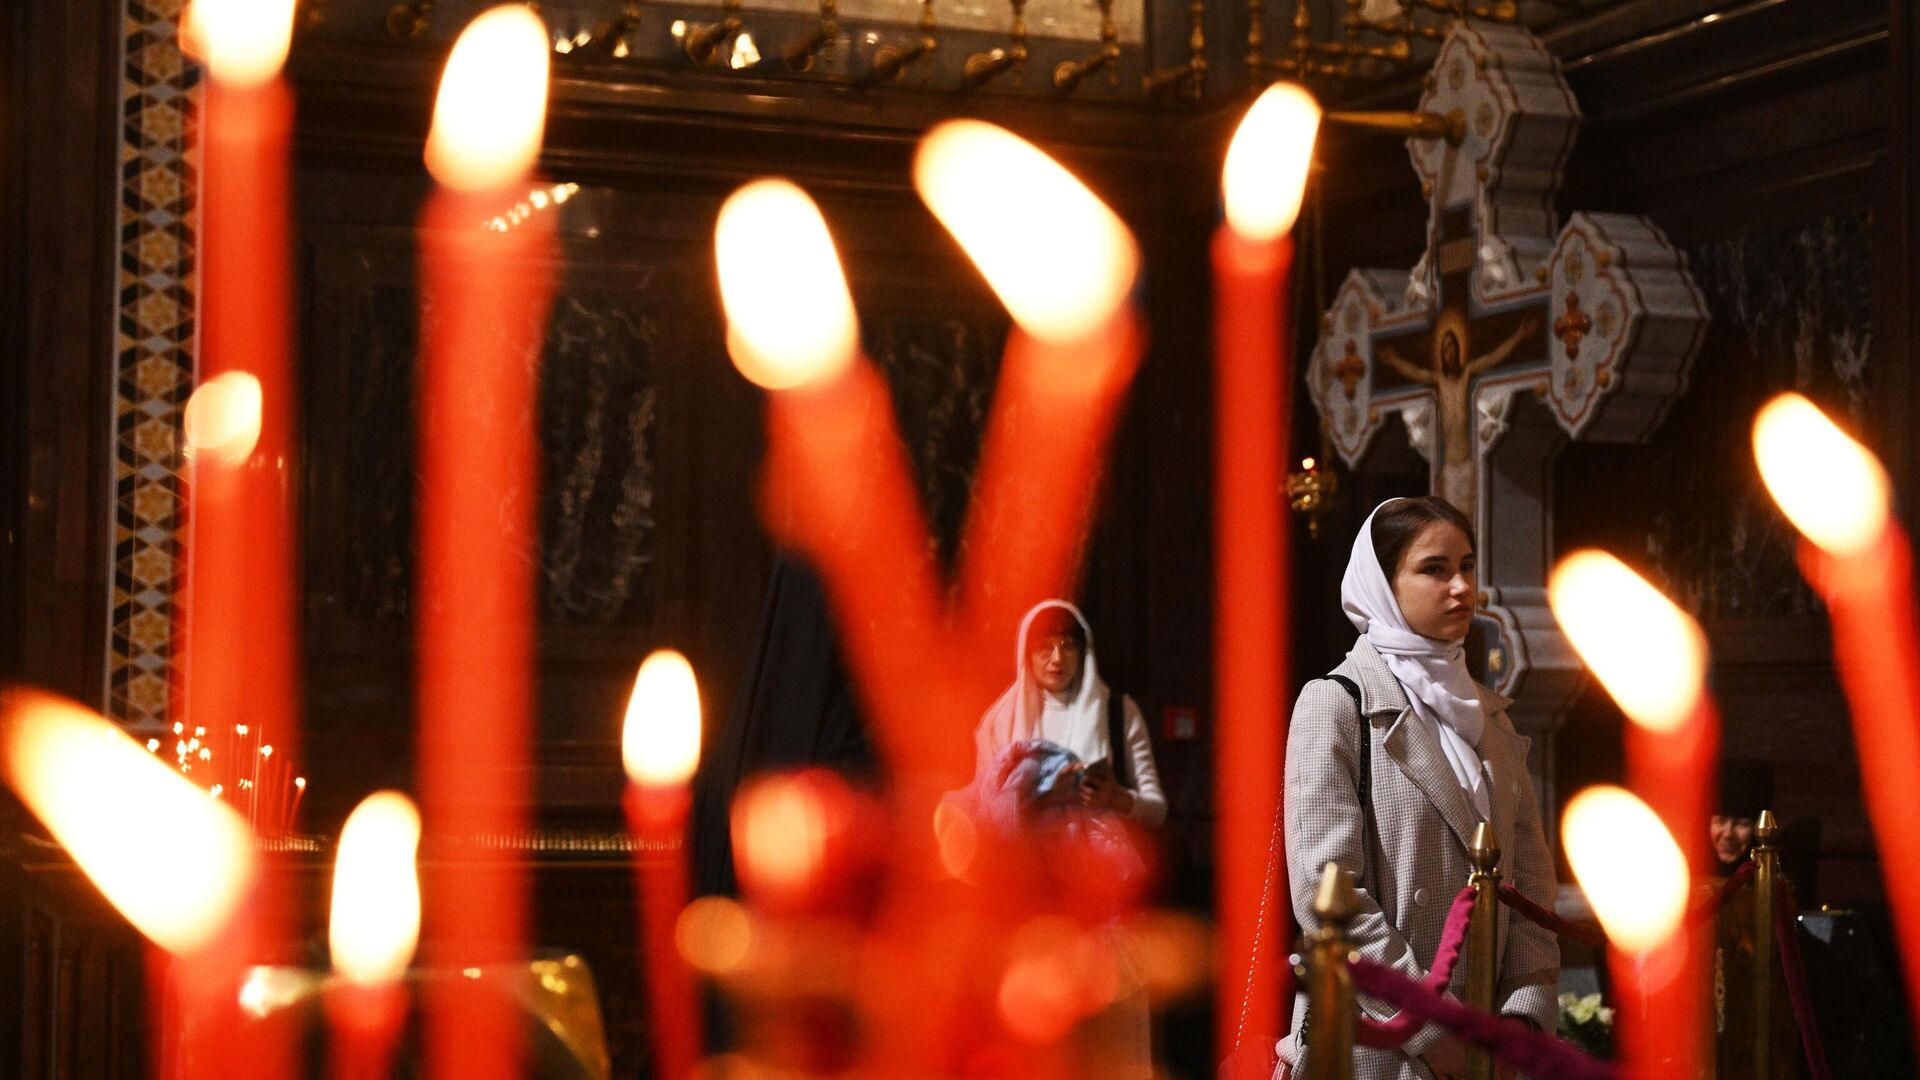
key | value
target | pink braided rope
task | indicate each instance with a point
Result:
(1532, 1052)
(1387, 1034)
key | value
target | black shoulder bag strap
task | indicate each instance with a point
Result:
(1117, 750)
(1366, 749)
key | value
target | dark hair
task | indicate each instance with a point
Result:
(1054, 622)
(1397, 523)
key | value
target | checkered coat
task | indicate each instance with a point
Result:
(1410, 869)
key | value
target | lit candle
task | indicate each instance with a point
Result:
(1835, 492)
(372, 929)
(1651, 657)
(1262, 187)
(485, 283)
(178, 865)
(1064, 265)
(660, 746)
(240, 642)
(836, 485)
(1636, 878)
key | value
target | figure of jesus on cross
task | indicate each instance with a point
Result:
(1451, 381)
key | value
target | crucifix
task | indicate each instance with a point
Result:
(1509, 337)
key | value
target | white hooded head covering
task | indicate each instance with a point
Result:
(1078, 723)
(1433, 673)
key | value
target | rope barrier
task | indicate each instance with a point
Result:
(1533, 1053)
(1591, 934)
(1711, 906)
(1785, 916)
(1585, 933)
(1388, 1034)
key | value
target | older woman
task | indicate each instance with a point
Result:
(1441, 758)
(1058, 697)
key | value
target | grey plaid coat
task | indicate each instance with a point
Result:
(1417, 860)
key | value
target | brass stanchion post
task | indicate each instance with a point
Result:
(1483, 938)
(1766, 882)
(1330, 980)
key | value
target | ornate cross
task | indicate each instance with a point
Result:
(1509, 337)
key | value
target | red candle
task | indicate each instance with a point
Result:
(176, 864)
(1063, 264)
(836, 484)
(1263, 181)
(1836, 493)
(485, 271)
(242, 642)
(1637, 880)
(1651, 657)
(660, 745)
(372, 929)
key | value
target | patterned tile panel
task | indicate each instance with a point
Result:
(153, 370)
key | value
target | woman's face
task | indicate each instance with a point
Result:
(1055, 662)
(1732, 836)
(1436, 583)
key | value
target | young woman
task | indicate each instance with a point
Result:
(1443, 758)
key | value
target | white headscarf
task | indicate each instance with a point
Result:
(1433, 673)
(1017, 715)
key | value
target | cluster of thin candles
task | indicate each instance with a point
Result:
(184, 870)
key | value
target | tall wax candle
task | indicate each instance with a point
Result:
(1637, 881)
(1651, 657)
(660, 746)
(486, 279)
(1262, 187)
(1836, 493)
(373, 927)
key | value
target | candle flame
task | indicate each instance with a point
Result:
(243, 43)
(789, 316)
(780, 829)
(1058, 258)
(222, 419)
(1833, 489)
(660, 743)
(1266, 172)
(174, 862)
(375, 921)
(1628, 865)
(492, 108)
(1648, 653)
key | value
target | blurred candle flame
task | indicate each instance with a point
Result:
(1265, 176)
(375, 922)
(171, 860)
(1833, 489)
(243, 43)
(1648, 653)
(790, 318)
(780, 832)
(491, 112)
(222, 418)
(660, 742)
(1628, 865)
(1059, 259)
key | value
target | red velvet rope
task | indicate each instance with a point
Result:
(1533, 1053)
(1586, 933)
(1591, 934)
(1387, 1034)
(1785, 914)
(1711, 906)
